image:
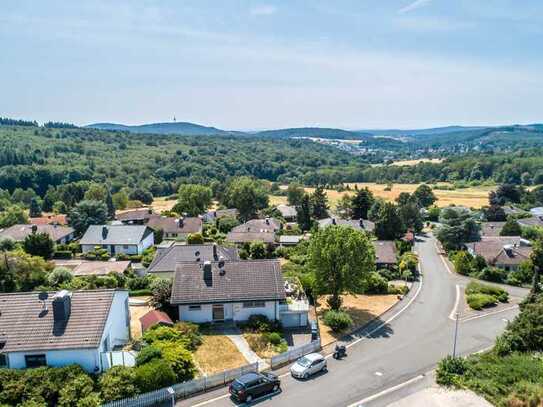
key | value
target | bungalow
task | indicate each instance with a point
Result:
(127, 239)
(360, 224)
(502, 252)
(59, 219)
(176, 228)
(233, 291)
(386, 255)
(63, 328)
(59, 234)
(136, 216)
(491, 229)
(167, 259)
(288, 212)
(211, 216)
(255, 230)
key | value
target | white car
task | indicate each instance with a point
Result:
(308, 365)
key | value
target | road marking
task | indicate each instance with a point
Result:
(387, 391)
(443, 260)
(452, 315)
(490, 313)
(203, 403)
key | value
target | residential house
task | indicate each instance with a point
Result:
(59, 234)
(211, 216)
(136, 216)
(502, 252)
(537, 211)
(167, 259)
(360, 224)
(531, 221)
(154, 318)
(386, 254)
(288, 212)
(176, 228)
(59, 219)
(490, 229)
(255, 230)
(63, 328)
(233, 291)
(116, 239)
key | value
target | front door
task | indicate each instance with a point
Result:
(218, 312)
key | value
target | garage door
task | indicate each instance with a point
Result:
(290, 320)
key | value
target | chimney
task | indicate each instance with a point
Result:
(222, 271)
(333, 221)
(150, 211)
(181, 221)
(34, 229)
(215, 254)
(62, 306)
(267, 221)
(208, 274)
(104, 232)
(361, 223)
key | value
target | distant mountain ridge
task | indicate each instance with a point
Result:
(186, 128)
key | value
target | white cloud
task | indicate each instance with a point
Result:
(263, 10)
(414, 6)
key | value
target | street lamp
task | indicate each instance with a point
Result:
(455, 334)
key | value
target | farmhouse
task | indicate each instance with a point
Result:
(127, 239)
(59, 234)
(233, 291)
(63, 328)
(176, 228)
(503, 252)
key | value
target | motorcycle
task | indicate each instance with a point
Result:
(340, 352)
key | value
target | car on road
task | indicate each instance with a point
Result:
(251, 386)
(308, 365)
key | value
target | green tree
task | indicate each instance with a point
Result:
(109, 205)
(195, 238)
(424, 196)
(388, 225)
(179, 359)
(59, 207)
(373, 213)
(257, 250)
(405, 198)
(511, 228)
(361, 203)
(319, 203)
(458, 227)
(59, 276)
(35, 208)
(226, 224)
(193, 199)
(74, 390)
(344, 207)
(295, 193)
(39, 244)
(87, 213)
(142, 195)
(341, 258)
(410, 217)
(161, 289)
(246, 195)
(120, 199)
(118, 383)
(14, 215)
(304, 213)
(96, 192)
(154, 375)
(463, 263)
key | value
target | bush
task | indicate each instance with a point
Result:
(162, 291)
(178, 358)
(117, 383)
(63, 254)
(499, 293)
(191, 334)
(337, 320)
(147, 354)
(260, 324)
(274, 338)
(154, 375)
(161, 333)
(448, 369)
(140, 293)
(398, 290)
(375, 284)
(195, 238)
(480, 301)
(58, 276)
(493, 274)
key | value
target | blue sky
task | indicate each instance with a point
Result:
(269, 64)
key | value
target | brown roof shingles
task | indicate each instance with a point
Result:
(175, 225)
(385, 251)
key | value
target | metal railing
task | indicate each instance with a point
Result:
(295, 353)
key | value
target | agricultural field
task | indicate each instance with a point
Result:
(415, 162)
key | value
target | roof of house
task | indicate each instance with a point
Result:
(258, 225)
(221, 213)
(176, 225)
(154, 317)
(290, 239)
(20, 232)
(360, 224)
(537, 211)
(241, 281)
(532, 221)
(115, 234)
(385, 251)
(59, 219)
(135, 215)
(26, 326)
(243, 237)
(100, 268)
(491, 228)
(167, 258)
(287, 211)
(501, 250)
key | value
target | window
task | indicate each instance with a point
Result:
(195, 307)
(254, 304)
(126, 247)
(35, 360)
(3, 360)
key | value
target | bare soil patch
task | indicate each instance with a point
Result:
(217, 353)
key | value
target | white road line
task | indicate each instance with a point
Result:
(452, 315)
(203, 403)
(443, 260)
(387, 391)
(489, 314)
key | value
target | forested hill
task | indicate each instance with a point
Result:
(314, 132)
(184, 128)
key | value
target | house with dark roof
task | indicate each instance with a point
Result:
(167, 258)
(59, 234)
(176, 228)
(63, 328)
(211, 216)
(386, 254)
(491, 229)
(135, 216)
(531, 221)
(288, 212)
(502, 252)
(233, 291)
(126, 239)
(263, 230)
(358, 224)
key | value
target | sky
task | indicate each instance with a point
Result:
(244, 64)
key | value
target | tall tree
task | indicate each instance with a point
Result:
(295, 193)
(494, 213)
(14, 215)
(193, 199)
(247, 195)
(344, 207)
(537, 260)
(87, 213)
(424, 196)
(511, 228)
(373, 213)
(39, 244)
(35, 208)
(388, 225)
(96, 192)
(457, 227)
(410, 217)
(110, 205)
(341, 258)
(319, 203)
(361, 203)
(304, 212)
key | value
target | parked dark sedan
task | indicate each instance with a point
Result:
(253, 385)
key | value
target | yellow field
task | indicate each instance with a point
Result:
(473, 197)
(415, 162)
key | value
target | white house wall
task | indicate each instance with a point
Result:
(233, 311)
(117, 328)
(88, 359)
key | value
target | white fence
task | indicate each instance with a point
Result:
(117, 358)
(295, 353)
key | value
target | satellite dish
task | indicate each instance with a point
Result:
(43, 296)
(197, 253)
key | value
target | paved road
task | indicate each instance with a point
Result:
(401, 350)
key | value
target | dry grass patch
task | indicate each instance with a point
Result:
(415, 162)
(217, 353)
(261, 346)
(136, 312)
(361, 308)
(162, 204)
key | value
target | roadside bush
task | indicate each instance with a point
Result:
(337, 320)
(375, 284)
(260, 324)
(493, 274)
(190, 333)
(498, 292)
(118, 382)
(449, 369)
(147, 354)
(398, 289)
(178, 358)
(75, 390)
(154, 375)
(479, 301)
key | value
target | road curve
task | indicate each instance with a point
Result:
(408, 346)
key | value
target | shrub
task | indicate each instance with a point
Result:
(140, 293)
(75, 390)
(161, 333)
(274, 338)
(499, 293)
(63, 254)
(375, 284)
(147, 354)
(154, 375)
(191, 334)
(162, 291)
(261, 323)
(179, 359)
(195, 238)
(337, 320)
(493, 274)
(58, 276)
(448, 369)
(398, 289)
(479, 301)
(118, 383)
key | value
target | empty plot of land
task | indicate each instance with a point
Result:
(217, 353)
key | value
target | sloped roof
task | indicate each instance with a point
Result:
(175, 225)
(491, 228)
(532, 221)
(25, 326)
(135, 215)
(154, 317)
(20, 232)
(243, 237)
(287, 211)
(258, 225)
(241, 281)
(493, 249)
(59, 219)
(100, 268)
(359, 224)
(221, 213)
(166, 259)
(115, 234)
(385, 251)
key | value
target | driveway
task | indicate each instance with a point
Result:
(404, 346)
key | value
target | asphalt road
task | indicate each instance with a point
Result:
(402, 350)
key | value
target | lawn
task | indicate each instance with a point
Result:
(217, 353)
(361, 308)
